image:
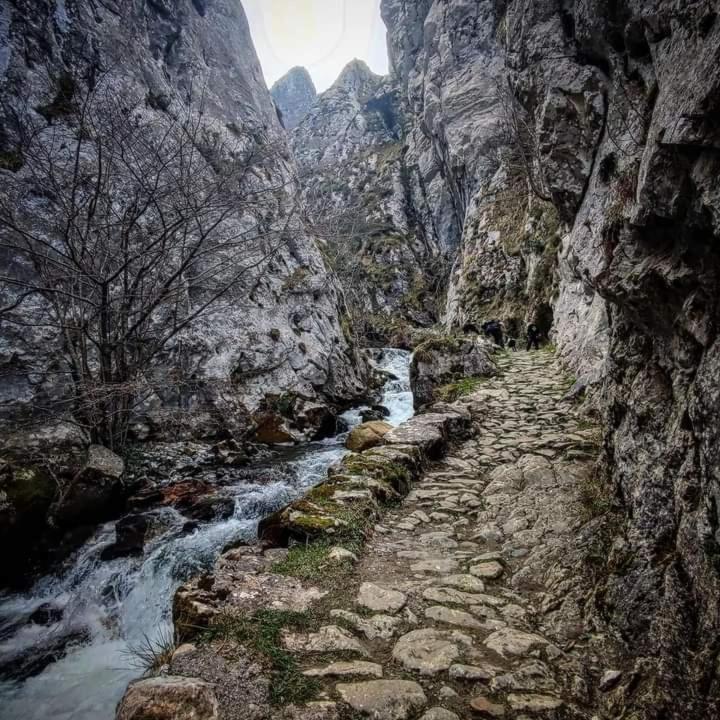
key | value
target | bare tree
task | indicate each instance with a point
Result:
(123, 227)
(520, 136)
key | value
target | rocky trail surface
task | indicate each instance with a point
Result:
(468, 599)
(470, 593)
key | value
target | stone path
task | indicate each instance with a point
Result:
(470, 596)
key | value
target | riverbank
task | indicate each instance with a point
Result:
(467, 598)
(77, 662)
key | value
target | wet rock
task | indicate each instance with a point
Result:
(208, 508)
(384, 699)
(429, 651)
(129, 538)
(94, 492)
(46, 614)
(367, 435)
(380, 599)
(33, 660)
(169, 698)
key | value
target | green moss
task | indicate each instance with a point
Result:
(312, 562)
(438, 344)
(392, 473)
(313, 523)
(261, 632)
(461, 388)
(29, 488)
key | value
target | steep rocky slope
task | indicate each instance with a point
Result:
(613, 109)
(279, 330)
(358, 195)
(294, 94)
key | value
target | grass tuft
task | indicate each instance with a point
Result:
(461, 388)
(261, 632)
(149, 655)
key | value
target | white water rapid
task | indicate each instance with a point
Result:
(110, 607)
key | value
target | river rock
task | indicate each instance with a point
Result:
(168, 698)
(94, 492)
(129, 538)
(367, 435)
(383, 699)
(46, 614)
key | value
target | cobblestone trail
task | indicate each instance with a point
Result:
(469, 597)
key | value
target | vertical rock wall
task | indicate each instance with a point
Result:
(280, 332)
(619, 104)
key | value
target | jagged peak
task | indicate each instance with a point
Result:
(296, 76)
(355, 76)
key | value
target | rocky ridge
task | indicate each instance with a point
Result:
(294, 95)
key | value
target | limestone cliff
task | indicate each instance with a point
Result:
(294, 94)
(590, 128)
(358, 195)
(279, 333)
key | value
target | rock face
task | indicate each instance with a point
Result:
(439, 363)
(294, 94)
(607, 233)
(357, 191)
(280, 327)
(94, 493)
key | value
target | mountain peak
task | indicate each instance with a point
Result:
(294, 93)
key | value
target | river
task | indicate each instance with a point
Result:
(112, 607)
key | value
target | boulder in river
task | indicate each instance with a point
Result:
(367, 435)
(94, 493)
(129, 538)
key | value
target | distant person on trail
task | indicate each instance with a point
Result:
(533, 337)
(493, 329)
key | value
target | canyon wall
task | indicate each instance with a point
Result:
(571, 149)
(278, 333)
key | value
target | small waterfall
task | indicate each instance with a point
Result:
(110, 607)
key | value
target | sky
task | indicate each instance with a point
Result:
(321, 35)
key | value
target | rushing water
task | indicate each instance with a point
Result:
(112, 607)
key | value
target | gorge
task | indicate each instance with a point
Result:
(198, 275)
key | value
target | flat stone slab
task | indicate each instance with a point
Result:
(439, 713)
(382, 627)
(488, 570)
(329, 638)
(380, 599)
(509, 641)
(450, 595)
(342, 669)
(466, 583)
(430, 651)
(384, 699)
(445, 615)
(436, 565)
(471, 672)
(533, 703)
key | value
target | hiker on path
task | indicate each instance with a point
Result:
(493, 329)
(533, 337)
